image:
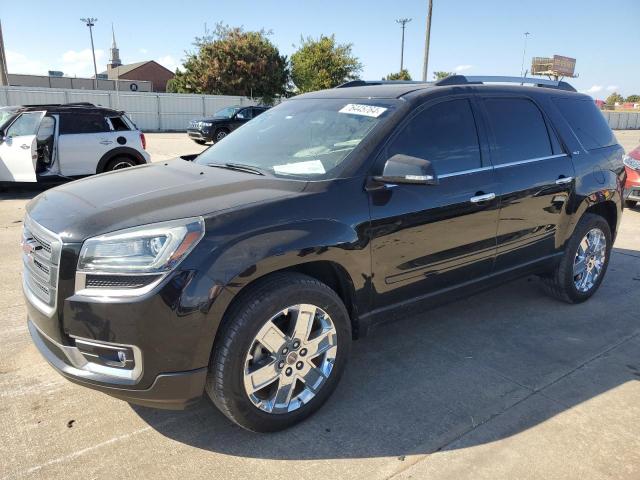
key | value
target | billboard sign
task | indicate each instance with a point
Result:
(564, 66)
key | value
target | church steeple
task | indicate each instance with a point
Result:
(114, 56)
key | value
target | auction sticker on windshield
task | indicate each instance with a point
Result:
(300, 168)
(366, 110)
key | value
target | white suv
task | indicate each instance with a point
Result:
(49, 142)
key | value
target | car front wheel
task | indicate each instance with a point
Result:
(279, 353)
(220, 134)
(585, 261)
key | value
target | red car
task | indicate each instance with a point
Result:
(632, 186)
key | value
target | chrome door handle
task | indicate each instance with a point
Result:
(564, 180)
(25, 146)
(106, 142)
(482, 198)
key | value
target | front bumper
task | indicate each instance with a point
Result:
(198, 135)
(632, 185)
(174, 391)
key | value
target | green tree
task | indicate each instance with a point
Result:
(440, 75)
(613, 98)
(633, 98)
(231, 61)
(323, 63)
(401, 75)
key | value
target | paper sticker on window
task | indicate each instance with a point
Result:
(312, 167)
(366, 110)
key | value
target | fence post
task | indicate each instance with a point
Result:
(159, 112)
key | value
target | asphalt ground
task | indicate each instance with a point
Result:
(507, 384)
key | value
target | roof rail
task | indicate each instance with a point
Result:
(364, 83)
(538, 82)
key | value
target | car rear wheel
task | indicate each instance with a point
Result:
(279, 353)
(119, 163)
(584, 264)
(220, 134)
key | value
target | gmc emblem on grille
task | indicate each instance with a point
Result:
(29, 246)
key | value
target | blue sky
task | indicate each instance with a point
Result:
(474, 37)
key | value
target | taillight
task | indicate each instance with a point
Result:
(143, 141)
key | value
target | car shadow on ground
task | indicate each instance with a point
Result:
(428, 382)
(23, 192)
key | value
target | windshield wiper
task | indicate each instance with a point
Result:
(240, 167)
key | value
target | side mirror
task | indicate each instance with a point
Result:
(402, 168)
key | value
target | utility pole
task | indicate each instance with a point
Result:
(4, 74)
(426, 42)
(90, 22)
(403, 22)
(524, 52)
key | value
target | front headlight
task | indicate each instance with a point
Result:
(206, 124)
(632, 163)
(136, 257)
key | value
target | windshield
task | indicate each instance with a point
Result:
(6, 113)
(306, 138)
(227, 112)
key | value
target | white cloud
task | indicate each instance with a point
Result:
(169, 62)
(19, 63)
(143, 51)
(80, 62)
(612, 88)
(462, 68)
(593, 89)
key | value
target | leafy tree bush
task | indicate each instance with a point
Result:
(633, 98)
(323, 63)
(613, 98)
(440, 75)
(401, 75)
(232, 61)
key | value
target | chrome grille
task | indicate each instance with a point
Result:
(41, 258)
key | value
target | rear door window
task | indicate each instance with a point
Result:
(519, 130)
(71, 123)
(445, 134)
(586, 121)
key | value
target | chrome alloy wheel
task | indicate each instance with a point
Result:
(290, 359)
(122, 164)
(589, 260)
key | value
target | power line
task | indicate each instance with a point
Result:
(403, 23)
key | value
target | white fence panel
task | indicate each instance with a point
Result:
(150, 111)
(623, 120)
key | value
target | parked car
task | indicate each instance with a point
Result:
(40, 143)
(632, 185)
(223, 122)
(247, 272)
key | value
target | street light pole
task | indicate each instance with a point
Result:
(426, 42)
(403, 22)
(90, 22)
(524, 52)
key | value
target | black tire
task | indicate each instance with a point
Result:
(630, 203)
(225, 384)
(119, 163)
(200, 142)
(561, 283)
(220, 134)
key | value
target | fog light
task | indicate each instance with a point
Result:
(115, 356)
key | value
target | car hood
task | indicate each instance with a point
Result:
(150, 193)
(214, 119)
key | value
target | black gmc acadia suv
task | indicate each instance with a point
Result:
(247, 272)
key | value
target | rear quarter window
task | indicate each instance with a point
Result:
(586, 121)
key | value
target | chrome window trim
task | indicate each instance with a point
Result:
(502, 165)
(464, 172)
(530, 160)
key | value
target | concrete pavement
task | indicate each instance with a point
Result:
(507, 384)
